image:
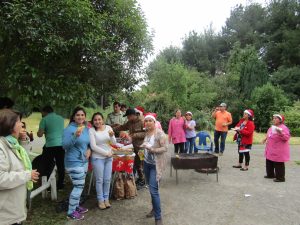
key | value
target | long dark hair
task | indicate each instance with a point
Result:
(96, 114)
(78, 108)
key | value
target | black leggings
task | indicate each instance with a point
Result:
(180, 147)
(247, 157)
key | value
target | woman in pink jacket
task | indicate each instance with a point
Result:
(176, 132)
(277, 149)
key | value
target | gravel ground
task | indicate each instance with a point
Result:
(239, 198)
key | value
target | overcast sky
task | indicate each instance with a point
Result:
(171, 20)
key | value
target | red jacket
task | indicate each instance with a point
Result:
(246, 133)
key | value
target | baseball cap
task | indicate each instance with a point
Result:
(130, 112)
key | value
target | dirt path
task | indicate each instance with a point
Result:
(199, 199)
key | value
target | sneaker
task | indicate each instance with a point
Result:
(81, 210)
(107, 204)
(75, 216)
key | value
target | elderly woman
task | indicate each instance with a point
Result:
(16, 174)
(244, 137)
(76, 142)
(155, 146)
(277, 149)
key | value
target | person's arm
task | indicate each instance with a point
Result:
(69, 138)
(11, 179)
(284, 134)
(41, 130)
(213, 115)
(123, 127)
(191, 126)
(163, 145)
(248, 130)
(170, 131)
(94, 146)
(229, 119)
(108, 120)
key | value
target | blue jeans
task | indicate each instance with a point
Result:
(150, 175)
(77, 175)
(189, 145)
(217, 135)
(102, 172)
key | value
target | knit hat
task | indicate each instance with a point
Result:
(280, 116)
(249, 112)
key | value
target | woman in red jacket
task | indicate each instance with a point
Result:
(244, 137)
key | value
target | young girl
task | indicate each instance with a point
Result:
(190, 133)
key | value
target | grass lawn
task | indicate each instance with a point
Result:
(33, 121)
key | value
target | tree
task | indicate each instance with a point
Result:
(289, 80)
(246, 70)
(282, 31)
(68, 51)
(245, 25)
(292, 115)
(266, 101)
(201, 51)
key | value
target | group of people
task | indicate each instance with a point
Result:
(82, 141)
(182, 135)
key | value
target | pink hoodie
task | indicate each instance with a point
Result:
(277, 146)
(176, 130)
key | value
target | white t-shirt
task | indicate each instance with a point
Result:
(100, 142)
(149, 157)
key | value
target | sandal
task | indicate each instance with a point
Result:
(237, 166)
(244, 169)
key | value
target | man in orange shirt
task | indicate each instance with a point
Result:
(223, 120)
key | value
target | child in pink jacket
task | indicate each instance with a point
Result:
(277, 149)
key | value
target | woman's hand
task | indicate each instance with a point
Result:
(109, 154)
(88, 153)
(78, 132)
(264, 141)
(111, 133)
(23, 135)
(34, 175)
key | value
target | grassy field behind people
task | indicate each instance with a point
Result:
(33, 120)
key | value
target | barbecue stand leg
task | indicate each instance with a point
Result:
(170, 169)
(217, 174)
(176, 177)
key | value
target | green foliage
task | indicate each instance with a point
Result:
(68, 51)
(282, 33)
(201, 51)
(292, 115)
(266, 101)
(246, 70)
(289, 80)
(245, 25)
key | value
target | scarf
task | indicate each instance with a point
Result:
(22, 155)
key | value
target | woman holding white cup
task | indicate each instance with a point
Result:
(277, 149)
